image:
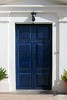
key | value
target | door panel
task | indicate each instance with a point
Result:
(24, 52)
(42, 81)
(24, 32)
(43, 32)
(25, 80)
(33, 56)
(43, 56)
(39, 56)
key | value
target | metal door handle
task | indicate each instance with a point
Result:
(56, 52)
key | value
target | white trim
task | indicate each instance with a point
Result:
(62, 21)
(4, 21)
(33, 6)
(16, 10)
(29, 8)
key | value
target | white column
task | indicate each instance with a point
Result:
(62, 50)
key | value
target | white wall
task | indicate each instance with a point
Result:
(62, 50)
(4, 85)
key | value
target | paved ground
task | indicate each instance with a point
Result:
(32, 97)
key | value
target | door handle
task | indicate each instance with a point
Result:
(56, 52)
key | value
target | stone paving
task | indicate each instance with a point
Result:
(32, 97)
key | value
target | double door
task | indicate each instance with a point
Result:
(33, 56)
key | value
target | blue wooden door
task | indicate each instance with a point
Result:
(34, 56)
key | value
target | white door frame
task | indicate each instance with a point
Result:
(11, 47)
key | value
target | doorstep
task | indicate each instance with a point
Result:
(34, 92)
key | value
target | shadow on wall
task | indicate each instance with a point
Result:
(41, 18)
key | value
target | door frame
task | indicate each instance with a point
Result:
(11, 52)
